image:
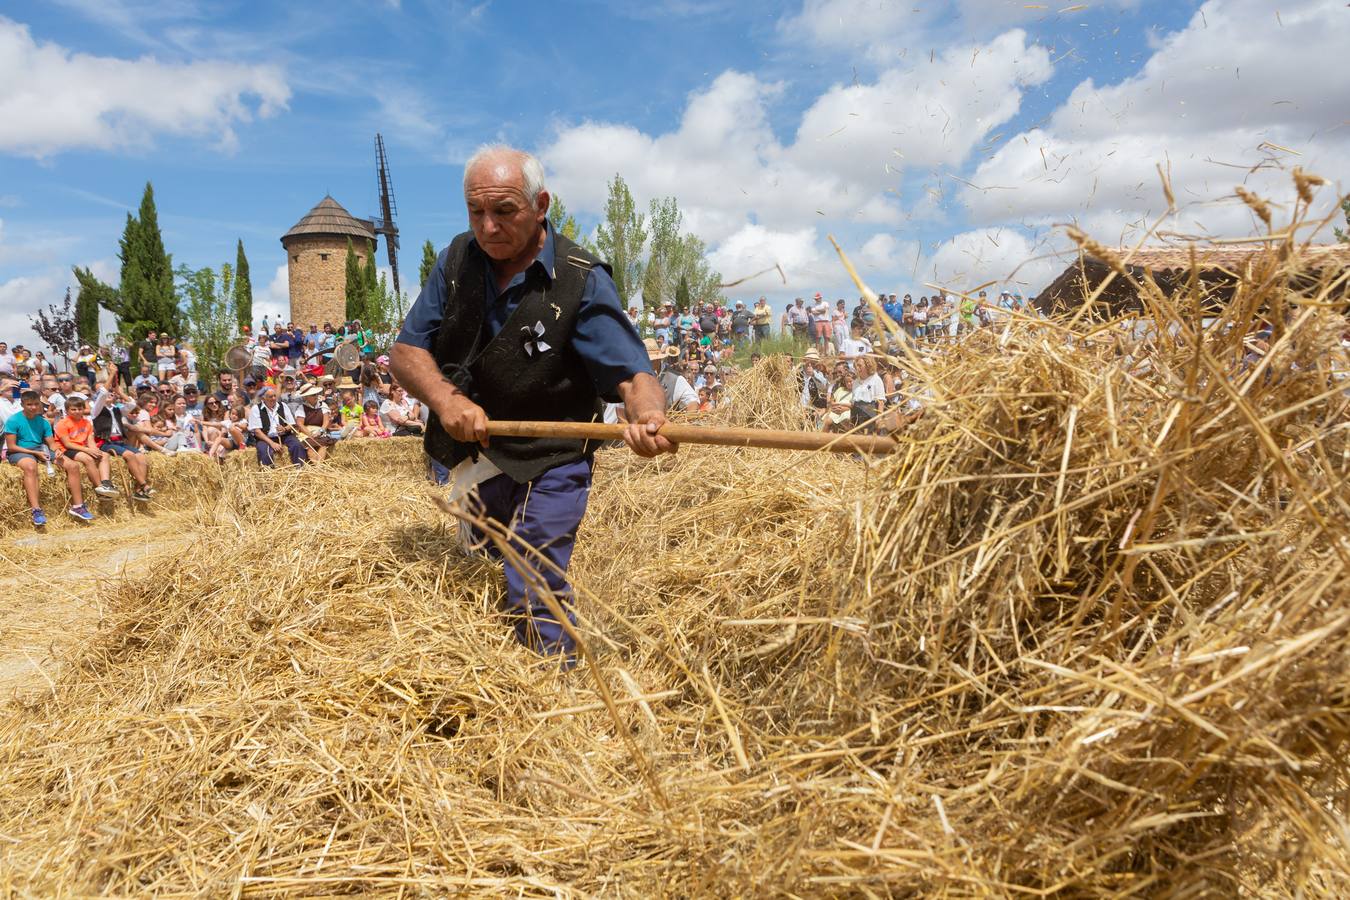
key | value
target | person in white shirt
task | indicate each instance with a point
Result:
(679, 393)
(402, 414)
(856, 345)
(273, 426)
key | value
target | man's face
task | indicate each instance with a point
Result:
(4, 348)
(145, 370)
(800, 302)
(65, 383)
(226, 381)
(32, 408)
(504, 220)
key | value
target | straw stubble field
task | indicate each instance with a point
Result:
(1085, 635)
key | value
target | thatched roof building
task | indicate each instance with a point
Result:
(1217, 269)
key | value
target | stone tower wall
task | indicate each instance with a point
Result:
(318, 285)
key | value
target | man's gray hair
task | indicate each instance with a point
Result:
(531, 169)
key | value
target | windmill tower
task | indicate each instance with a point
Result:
(384, 223)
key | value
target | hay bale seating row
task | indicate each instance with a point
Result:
(184, 482)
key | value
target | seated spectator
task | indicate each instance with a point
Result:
(144, 381)
(315, 423)
(840, 413)
(30, 442)
(215, 427)
(869, 393)
(371, 424)
(351, 410)
(118, 438)
(338, 426)
(75, 434)
(402, 414)
(273, 429)
(186, 437)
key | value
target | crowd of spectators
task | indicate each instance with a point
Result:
(288, 401)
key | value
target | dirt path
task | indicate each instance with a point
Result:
(50, 586)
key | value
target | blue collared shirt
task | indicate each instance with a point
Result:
(604, 338)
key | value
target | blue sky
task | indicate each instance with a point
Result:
(940, 144)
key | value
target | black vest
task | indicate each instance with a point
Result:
(103, 423)
(511, 376)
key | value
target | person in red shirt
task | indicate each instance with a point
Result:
(75, 436)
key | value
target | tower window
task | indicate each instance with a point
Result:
(295, 257)
(323, 256)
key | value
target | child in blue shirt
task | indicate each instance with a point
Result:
(29, 443)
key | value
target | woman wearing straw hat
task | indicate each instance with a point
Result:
(518, 322)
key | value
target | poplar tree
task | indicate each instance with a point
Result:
(86, 314)
(428, 263)
(620, 238)
(243, 289)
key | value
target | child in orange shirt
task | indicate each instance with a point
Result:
(75, 435)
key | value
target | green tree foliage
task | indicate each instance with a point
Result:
(428, 263)
(144, 299)
(564, 223)
(676, 258)
(209, 304)
(86, 314)
(243, 289)
(682, 293)
(355, 286)
(1343, 234)
(621, 237)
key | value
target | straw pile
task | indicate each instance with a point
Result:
(182, 481)
(1087, 635)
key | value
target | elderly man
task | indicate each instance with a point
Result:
(272, 424)
(518, 322)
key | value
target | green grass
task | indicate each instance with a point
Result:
(789, 346)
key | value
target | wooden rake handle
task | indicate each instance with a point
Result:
(703, 434)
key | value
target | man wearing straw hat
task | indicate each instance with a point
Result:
(518, 322)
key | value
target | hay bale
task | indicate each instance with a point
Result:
(1087, 634)
(182, 481)
(396, 454)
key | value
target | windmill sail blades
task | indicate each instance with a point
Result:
(388, 209)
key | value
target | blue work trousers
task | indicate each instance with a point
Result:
(545, 514)
(298, 454)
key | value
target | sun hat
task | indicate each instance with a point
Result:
(310, 390)
(382, 359)
(812, 353)
(672, 352)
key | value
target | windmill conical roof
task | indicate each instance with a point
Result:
(328, 217)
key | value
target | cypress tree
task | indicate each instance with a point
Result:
(160, 301)
(243, 288)
(356, 285)
(372, 278)
(428, 262)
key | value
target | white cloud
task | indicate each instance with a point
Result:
(1214, 105)
(22, 297)
(758, 200)
(997, 256)
(273, 301)
(53, 100)
(887, 30)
